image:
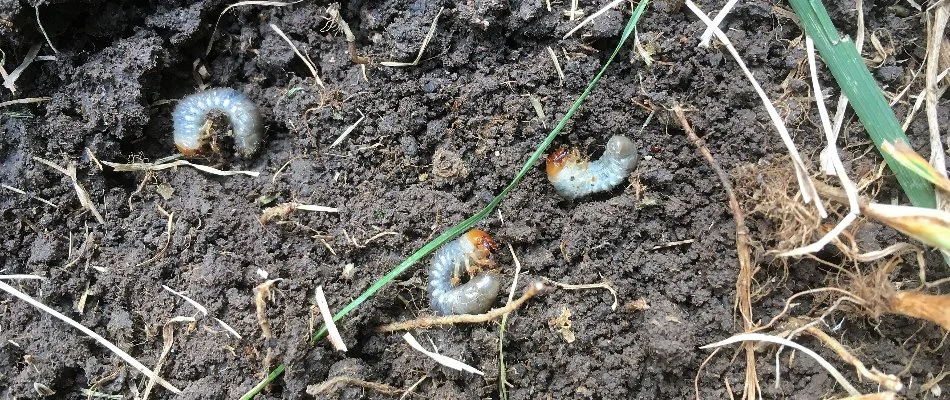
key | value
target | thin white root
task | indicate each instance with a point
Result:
(711, 29)
(833, 161)
(348, 130)
(444, 360)
(602, 285)
(25, 101)
(805, 185)
(759, 337)
(195, 304)
(119, 167)
(238, 4)
(9, 81)
(422, 49)
(587, 20)
(332, 333)
(16, 277)
(306, 60)
(514, 282)
(81, 192)
(115, 349)
(36, 9)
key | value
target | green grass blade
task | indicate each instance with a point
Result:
(263, 384)
(866, 97)
(527, 167)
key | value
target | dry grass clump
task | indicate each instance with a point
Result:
(880, 296)
(769, 193)
(874, 289)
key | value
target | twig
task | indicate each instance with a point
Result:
(115, 349)
(426, 322)
(422, 49)
(744, 280)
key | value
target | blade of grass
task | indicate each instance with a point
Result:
(528, 166)
(263, 384)
(909, 158)
(856, 82)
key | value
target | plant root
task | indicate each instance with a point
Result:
(425, 322)
(744, 281)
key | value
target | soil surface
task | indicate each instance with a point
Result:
(438, 141)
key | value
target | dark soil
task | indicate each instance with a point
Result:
(440, 139)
